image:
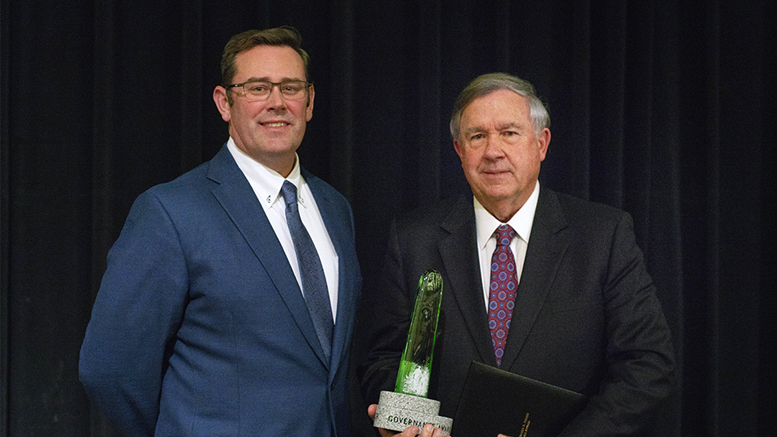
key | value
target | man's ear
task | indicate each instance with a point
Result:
(543, 141)
(221, 100)
(311, 98)
(457, 147)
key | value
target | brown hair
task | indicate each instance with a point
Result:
(279, 36)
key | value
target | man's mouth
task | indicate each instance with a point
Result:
(495, 172)
(275, 124)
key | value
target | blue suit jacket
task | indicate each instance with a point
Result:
(200, 327)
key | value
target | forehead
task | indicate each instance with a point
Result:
(269, 62)
(496, 108)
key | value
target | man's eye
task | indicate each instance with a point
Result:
(257, 88)
(476, 137)
(293, 87)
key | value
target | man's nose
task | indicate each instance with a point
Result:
(275, 100)
(493, 146)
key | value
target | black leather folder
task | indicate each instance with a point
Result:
(496, 401)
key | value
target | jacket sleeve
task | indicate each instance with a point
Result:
(639, 356)
(135, 316)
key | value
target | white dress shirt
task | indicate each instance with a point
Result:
(267, 187)
(486, 225)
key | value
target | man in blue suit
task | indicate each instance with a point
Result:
(213, 318)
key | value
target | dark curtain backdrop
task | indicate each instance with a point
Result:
(663, 108)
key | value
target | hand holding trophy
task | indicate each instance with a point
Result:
(408, 405)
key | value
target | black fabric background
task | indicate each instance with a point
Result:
(663, 108)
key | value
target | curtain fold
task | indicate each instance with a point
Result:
(661, 108)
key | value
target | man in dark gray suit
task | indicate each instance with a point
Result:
(535, 282)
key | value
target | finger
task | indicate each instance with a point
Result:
(427, 431)
(371, 411)
(410, 431)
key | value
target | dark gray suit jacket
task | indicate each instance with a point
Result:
(586, 316)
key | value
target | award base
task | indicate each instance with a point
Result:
(397, 411)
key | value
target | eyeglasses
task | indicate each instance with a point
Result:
(261, 89)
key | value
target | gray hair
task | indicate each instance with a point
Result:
(488, 83)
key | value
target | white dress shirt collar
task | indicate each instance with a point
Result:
(521, 221)
(265, 181)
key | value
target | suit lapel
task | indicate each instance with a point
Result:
(238, 199)
(546, 249)
(460, 259)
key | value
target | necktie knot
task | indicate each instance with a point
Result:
(289, 193)
(504, 235)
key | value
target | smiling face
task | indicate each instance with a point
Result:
(268, 131)
(500, 152)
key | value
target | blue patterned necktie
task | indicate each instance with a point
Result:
(502, 292)
(313, 280)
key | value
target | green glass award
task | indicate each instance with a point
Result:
(416, 364)
(408, 404)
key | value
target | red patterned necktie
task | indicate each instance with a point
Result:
(502, 293)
